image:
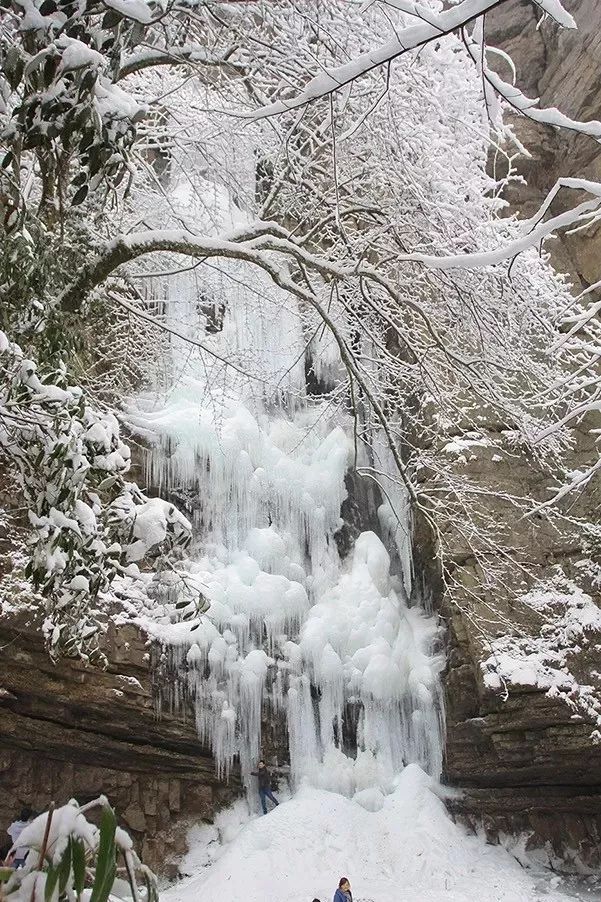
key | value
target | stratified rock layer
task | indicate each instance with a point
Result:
(68, 730)
(526, 760)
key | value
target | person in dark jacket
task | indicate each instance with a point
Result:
(343, 893)
(265, 789)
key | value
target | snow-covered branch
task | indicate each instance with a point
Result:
(431, 27)
(89, 522)
(196, 54)
(518, 101)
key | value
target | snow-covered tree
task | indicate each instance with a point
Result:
(89, 523)
(364, 193)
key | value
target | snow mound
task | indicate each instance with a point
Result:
(408, 851)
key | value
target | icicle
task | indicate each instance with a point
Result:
(290, 627)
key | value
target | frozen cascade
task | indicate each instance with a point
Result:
(262, 467)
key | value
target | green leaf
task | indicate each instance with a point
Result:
(80, 196)
(152, 894)
(51, 881)
(64, 869)
(106, 863)
(79, 866)
(8, 159)
(13, 67)
(88, 81)
(48, 7)
(111, 19)
(33, 139)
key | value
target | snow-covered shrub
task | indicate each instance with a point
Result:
(59, 71)
(89, 522)
(69, 857)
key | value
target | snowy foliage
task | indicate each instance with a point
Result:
(70, 858)
(59, 73)
(373, 208)
(88, 521)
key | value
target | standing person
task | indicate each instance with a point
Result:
(343, 893)
(265, 790)
(14, 831)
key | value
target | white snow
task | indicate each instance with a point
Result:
(66, 821)
(138, 10)
(570, 620)
(77, 55)
(402, 847)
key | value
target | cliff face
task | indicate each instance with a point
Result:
(525, 753)
(68, 730)
(562, 68)
(72, 731)
(525, 757)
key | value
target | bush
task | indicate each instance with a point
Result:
(71, 859)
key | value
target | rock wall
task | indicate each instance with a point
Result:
(68, 730)
(526, 760)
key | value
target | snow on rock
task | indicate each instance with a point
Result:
(570, 619)
(402, 847)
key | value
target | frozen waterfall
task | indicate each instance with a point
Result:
(321, 642)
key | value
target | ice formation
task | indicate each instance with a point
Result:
(292, 630)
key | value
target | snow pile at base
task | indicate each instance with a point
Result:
(571, 621)
(409, 851)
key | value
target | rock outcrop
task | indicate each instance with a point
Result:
(525, 758)
(68, 730)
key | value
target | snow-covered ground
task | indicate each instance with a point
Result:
(409, 851)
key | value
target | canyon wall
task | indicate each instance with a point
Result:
(68, 730)
(527, 759)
